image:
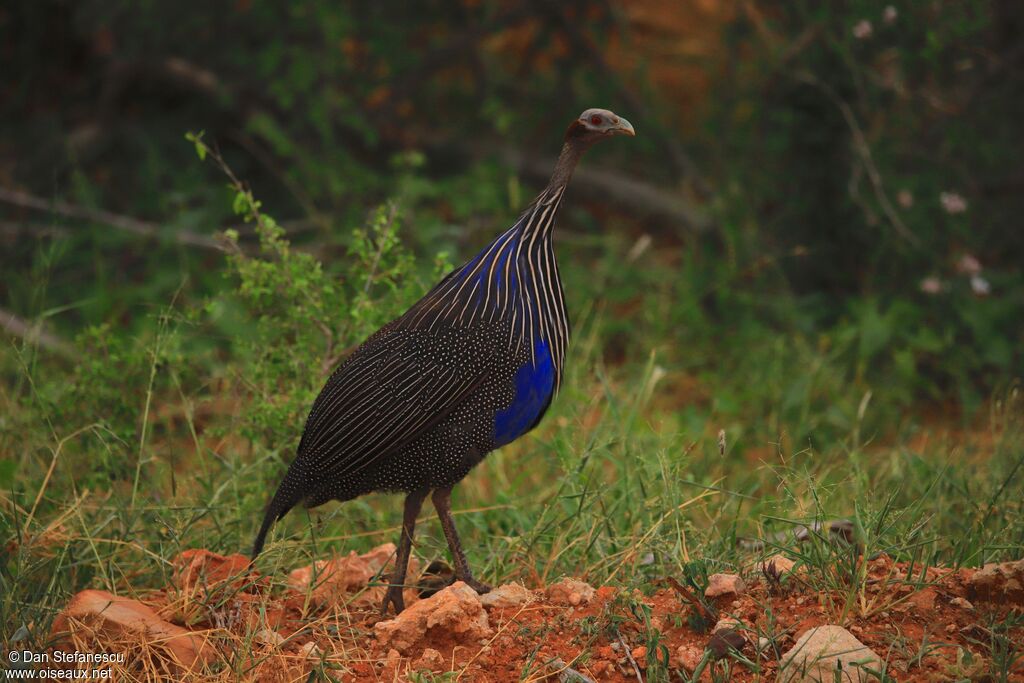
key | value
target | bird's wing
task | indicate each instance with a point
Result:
(389, 392)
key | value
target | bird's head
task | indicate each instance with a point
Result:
(597, 124)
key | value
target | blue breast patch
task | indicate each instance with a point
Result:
(534, 384)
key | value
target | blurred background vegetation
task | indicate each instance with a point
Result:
(814, 241)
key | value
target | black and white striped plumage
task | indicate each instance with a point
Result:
(471, 366)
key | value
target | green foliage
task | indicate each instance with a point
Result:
(800, 326)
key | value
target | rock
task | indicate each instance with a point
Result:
(269, 637)
(334, 580)
(310, 651)
(455, 611)
(570, 592)
(819, 651)
(724, 586)
(763, 643)
(1003, 582)
(639, 655)
(725, 640)
(777, 566)
(508, 595)
(95, 617)
(961, 603)
(728, 623)
(198, 566)
(430, 660)
(688, 657)
(393, 658)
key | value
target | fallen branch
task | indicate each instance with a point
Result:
(635, 195)
(34, 334)
(687, 595)
(126, 223)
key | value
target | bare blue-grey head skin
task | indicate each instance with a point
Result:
(469, 368)
(602, 123)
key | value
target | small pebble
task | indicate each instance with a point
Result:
(269, 637)
(962, 603)
(310, 651)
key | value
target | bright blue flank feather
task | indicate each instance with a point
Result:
(534, 385)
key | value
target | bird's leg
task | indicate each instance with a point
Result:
(413, 503)
(443, 504)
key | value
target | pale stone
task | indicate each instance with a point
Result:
(819, 652)
(998, 582)
(961, 603)
(570, 592)
(95, 616)
(269, 637)
(508, 595)
(688, 657)
(455, 611)
(730, 623)
(335, 580)
(724, 585)
(779, 565)
(310, 651)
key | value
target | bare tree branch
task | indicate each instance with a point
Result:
(863, 149)
(126, 223)
(637, 196)
(34, 334)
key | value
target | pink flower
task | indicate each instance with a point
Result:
(889, 15)
(931, 285)
(862, 30)
(953, 202)
(968, 265)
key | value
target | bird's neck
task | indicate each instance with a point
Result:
(541, 214)
(572, 150)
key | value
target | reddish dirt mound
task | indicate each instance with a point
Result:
(933, 625)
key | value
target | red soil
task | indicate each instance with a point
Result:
(289, 632)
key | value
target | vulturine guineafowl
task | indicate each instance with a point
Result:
(470, 367)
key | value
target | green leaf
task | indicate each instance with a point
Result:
(197, 140)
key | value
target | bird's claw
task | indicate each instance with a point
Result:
(393, 596)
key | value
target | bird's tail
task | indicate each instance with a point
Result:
(284, 500)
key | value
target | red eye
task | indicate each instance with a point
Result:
(595, 119)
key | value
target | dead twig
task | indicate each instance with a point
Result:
(860, 145)
(629, 656)
(686, 594)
